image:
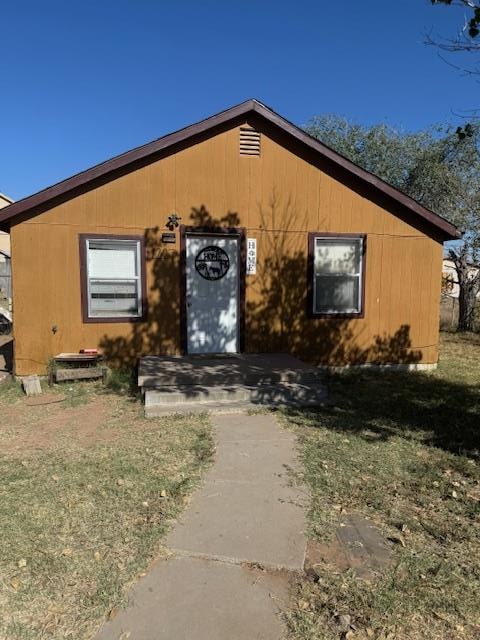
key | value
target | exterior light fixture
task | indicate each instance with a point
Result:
(173, 221)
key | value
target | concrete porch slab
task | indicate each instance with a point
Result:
(227, 383)
(223, 369)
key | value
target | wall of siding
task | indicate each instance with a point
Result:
(279, 197)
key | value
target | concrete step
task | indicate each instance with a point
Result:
(233, 379)
(195, 394)
(197, 399)
(218, 408)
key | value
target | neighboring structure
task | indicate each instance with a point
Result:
(5, 279)
(5, 271)
(450, 279)
(284, 246)
(4, 237)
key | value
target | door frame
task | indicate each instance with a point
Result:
(214, 232)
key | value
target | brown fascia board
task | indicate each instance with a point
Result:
(131, 159)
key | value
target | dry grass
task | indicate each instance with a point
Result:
(403, 450)
(88, 488)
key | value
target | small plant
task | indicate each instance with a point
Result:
(123, 381)
(51, 370)
(11, 390)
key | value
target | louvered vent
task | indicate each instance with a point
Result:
(249, 142)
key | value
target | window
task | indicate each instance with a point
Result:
(112, 278)
(337, 278)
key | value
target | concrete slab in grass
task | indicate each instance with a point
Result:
(185, 598)
(247, 509)
(244, 515)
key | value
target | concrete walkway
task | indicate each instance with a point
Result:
(234, 549)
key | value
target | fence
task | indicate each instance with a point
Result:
(449, 314)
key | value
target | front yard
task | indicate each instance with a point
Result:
(87, 490)
(402, 450)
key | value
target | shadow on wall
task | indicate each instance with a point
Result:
(277, 319)
(160, 334)
(276, 311)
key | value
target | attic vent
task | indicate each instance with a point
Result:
(249, 142)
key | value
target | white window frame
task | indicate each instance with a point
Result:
(340, 238)
(138, 278)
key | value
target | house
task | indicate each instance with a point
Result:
(240, 233)
(5, 272)
(5, 279)
(450, 286)
(4, 237)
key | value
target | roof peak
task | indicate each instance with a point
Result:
(129, 160)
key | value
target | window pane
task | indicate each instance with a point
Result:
(337, 256)
(114, 298)
(337, 294)
(110, 259)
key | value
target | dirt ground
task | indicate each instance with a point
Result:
(29, 428)
(78, 416)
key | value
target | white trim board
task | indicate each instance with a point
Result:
(412, 366)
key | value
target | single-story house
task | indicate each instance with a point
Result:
(5, 277)
(4, 237)
(240, 233)
(450, 285)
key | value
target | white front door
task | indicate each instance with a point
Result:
(212, 291)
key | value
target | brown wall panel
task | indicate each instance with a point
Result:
(279, 197)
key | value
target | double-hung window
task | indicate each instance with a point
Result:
(112, 278)
(338, 267)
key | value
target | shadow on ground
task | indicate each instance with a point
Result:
(6, 353)
(378, 406)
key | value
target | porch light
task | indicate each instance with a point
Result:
(173, 221)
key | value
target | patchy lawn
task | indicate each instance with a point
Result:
(402, 450)
(88, 488)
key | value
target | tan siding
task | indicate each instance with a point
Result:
(279, 197)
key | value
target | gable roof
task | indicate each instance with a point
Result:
(131, 159)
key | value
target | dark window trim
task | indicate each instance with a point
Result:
(241, 233)
(311, 313)
(82, 238)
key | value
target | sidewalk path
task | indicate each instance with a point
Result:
(235, 546)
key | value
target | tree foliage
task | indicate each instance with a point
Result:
(471, 28)
(436, 167)
(465, 41)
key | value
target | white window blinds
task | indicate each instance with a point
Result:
(112, 259)
(114, 278)
(338, 265)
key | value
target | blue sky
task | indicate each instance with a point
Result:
(84, 81)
